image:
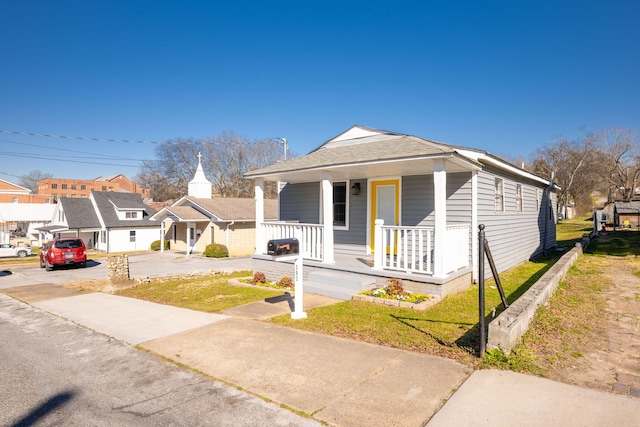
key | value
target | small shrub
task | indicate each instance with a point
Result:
(286, 282)
(216, 250)
(155, 245)
(259, 278)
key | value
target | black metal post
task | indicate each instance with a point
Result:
(494, 271)
(483, 338)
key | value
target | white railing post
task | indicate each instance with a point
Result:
(378, 246)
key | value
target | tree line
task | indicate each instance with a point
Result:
(604, 162)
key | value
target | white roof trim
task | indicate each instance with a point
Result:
(482, 157)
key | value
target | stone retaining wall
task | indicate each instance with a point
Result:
(506, 329)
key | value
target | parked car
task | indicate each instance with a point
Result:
(67, 251)
(7, 250)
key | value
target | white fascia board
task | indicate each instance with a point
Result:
(482, 157)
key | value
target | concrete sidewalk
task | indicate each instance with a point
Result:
(504, 398)
(337, 381)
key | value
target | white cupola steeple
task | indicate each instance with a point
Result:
(199, 186)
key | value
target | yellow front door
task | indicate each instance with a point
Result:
(385, 204)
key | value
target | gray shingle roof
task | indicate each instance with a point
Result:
(187, 213)
(105, 201)
(376, 148)
(628, 207)
(236, 209)
(79, 213)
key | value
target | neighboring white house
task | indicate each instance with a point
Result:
(26, 216)
(388, 205)
(197, 220)
(106, 221)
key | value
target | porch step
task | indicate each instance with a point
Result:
(336, 284)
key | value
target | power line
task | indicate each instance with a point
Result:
(67, 161)
(69, 151)
(46, 135)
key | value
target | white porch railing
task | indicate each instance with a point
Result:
(457, 247)
(311, 235)
(410, 249)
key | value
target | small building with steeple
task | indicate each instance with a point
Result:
(198, 219)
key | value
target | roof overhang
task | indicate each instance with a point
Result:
(52, 228)
(420, 165)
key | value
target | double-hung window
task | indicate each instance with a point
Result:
(340, 204)
(499, 194)
(518, 197)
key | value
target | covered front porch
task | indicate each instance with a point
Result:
(396, 225)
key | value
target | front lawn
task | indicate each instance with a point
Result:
(448, 329)
(210, 294)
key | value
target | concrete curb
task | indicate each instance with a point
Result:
(506, 329)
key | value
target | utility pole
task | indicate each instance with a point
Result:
(283, 141)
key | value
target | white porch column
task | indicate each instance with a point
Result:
(327, 219)
(261, 245)
(440, 211)
(162, 236)
(474, 225)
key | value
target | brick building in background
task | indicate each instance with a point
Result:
(14, 193)
(76, 188)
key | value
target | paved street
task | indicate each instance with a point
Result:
(151, 264)
(55, 372)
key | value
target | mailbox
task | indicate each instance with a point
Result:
(282, 246)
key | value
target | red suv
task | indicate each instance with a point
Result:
(63, 252)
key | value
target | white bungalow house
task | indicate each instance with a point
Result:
(198, 219)
(370, 205)
(107, 221)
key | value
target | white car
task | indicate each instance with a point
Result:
(10, 250)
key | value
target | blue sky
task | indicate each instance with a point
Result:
(503, 76)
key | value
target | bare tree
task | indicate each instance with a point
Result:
(619, 161)
(225, 159)
(31, 179)
(568, 163)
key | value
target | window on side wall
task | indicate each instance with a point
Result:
(132, 235)
(519, 197)
(499, 194)
(339, 204)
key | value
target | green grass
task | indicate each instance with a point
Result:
(449, 329)
(573, 322)
(210, 294)
(569, 231)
